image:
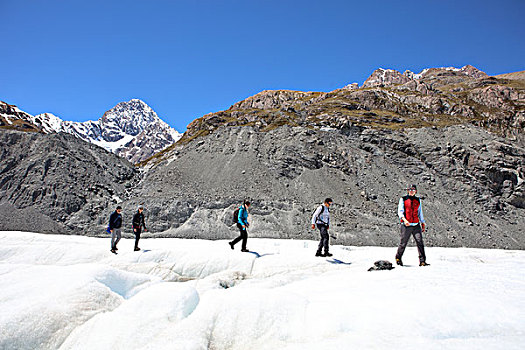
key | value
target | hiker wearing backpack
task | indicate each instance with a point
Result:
(138, 224)
(321, 219)
(410, 213)
(115, 223)
(242, 225)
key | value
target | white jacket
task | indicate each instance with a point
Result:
(321, 218)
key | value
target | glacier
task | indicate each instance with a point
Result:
(70, 292)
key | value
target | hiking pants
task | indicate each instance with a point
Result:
(323, 230)
(406, 232)
(243, 236)
(115, 234)
(137, 231)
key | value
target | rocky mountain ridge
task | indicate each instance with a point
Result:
(130, 129)
(388, 77)
(438, 97)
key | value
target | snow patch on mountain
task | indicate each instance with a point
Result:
(114, 146)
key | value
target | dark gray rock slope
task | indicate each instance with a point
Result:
(58, 183)
(471, 181)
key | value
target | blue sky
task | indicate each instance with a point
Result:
(77, 59)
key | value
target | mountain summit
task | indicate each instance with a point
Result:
(130, 129)
(127, 118)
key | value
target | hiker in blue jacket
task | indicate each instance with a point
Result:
(242, 225)
(321, 219)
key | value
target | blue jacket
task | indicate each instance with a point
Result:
(243, 216)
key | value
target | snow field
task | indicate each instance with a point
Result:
(70, 292)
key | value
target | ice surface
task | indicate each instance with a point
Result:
(70, 292)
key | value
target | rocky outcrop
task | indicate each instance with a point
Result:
(13, 118)
(385, 77)
(467, 71)
(352, 86)
(276, 99)
(472, 71)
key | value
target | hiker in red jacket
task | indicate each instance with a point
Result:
(410, 213)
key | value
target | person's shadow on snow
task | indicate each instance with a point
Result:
(338, 262)
(257, 255)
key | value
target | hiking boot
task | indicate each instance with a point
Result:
(113, 251)
(399, 262)
(137, 249)
(423, 264)
(327, 254)
(231, 245)
(245, 250)
(318, 254)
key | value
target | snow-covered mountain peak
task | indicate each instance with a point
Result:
(130, 118)
(48, 122)
(131, 129)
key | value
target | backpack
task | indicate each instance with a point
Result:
(108, 229)
(381, 265)
(317, 217)
(236, 216)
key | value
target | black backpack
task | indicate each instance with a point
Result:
(236, 216)
(317, 217)
(381, 265)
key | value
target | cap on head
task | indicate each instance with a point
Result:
(412, 187)
(119, 208)
(141, 207)
(328, 200)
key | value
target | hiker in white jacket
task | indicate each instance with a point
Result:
(321, 219)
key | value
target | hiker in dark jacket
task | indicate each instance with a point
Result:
(115, 223)
(242, 225)
(138, 225)
(321, 219)
(410, 214)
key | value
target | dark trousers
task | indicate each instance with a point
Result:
(406, 232)
(243, 236)
(137, 231)
(323, 230)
